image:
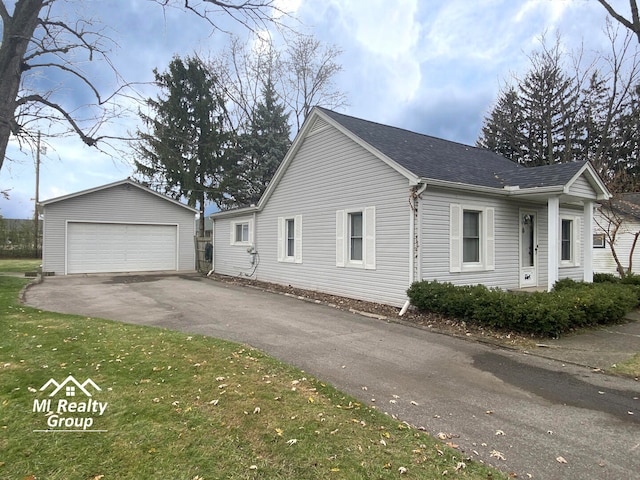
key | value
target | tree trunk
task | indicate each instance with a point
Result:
(17, 33)
(633, 247)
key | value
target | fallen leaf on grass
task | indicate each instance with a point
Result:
(293, 441)
(402, 470)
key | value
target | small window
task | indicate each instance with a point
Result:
(598, 240)
(242, 232)
(471, 237)
(291, 237)
(355, 236)
(566, 241)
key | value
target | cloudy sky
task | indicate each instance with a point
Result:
(431, 66)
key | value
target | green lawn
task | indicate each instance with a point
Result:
(19, 264)
(630, 367)
(187, 407)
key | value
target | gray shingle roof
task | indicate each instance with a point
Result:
(438, 159)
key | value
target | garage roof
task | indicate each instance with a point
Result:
(126, 181)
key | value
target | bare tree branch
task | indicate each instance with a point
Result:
(633, 24)
(34, 29)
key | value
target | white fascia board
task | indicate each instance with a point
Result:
(509, 191)
(237, 212)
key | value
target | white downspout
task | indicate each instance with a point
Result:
(413, 243)
(587, 228)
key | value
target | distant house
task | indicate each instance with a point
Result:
(361, 209)
(119, 227)
(621, 213)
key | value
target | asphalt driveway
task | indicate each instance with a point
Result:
(517, 412)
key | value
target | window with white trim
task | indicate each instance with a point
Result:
(569, 241)
(290, 239)
(356, 238)
(471, 238)
(241, 232)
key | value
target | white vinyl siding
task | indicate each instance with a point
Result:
(603, 261)
(440, 261)
(290, 239)
(119, 204)
(346, 178)
(471, 238)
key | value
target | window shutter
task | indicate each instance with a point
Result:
(232, 227)
(455, 240)
(298, 239)
(251, 236)
(340, 238)
(577, 234)
(490, 245)
(369, 227)
(282, 239)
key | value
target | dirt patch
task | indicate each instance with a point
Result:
(431, 321)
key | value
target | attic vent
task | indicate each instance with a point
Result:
(318, 126)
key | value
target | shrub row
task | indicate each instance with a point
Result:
(569, 306)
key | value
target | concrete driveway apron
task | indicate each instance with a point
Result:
(517, 412)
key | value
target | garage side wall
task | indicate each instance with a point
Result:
(119, 204)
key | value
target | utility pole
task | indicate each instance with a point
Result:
(35, 214)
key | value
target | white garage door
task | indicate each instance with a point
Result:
(115, 247)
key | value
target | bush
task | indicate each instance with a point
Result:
(605, 278)
(631, 279)
(569, 306)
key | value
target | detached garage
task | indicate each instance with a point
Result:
(119, 227)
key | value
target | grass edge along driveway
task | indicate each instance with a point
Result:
(186, 407)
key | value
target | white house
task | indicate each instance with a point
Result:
(119, 227)
(361, 210)
(619, 219)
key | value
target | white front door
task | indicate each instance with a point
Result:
(528, 249)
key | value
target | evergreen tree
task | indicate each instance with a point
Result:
(549, 103)
(502, 130)
(259, 151)
(184, 153)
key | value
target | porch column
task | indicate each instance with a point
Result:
(553, 240)
(588, 241)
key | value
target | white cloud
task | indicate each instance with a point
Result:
(385, 28)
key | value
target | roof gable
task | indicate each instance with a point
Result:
(126, 181)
